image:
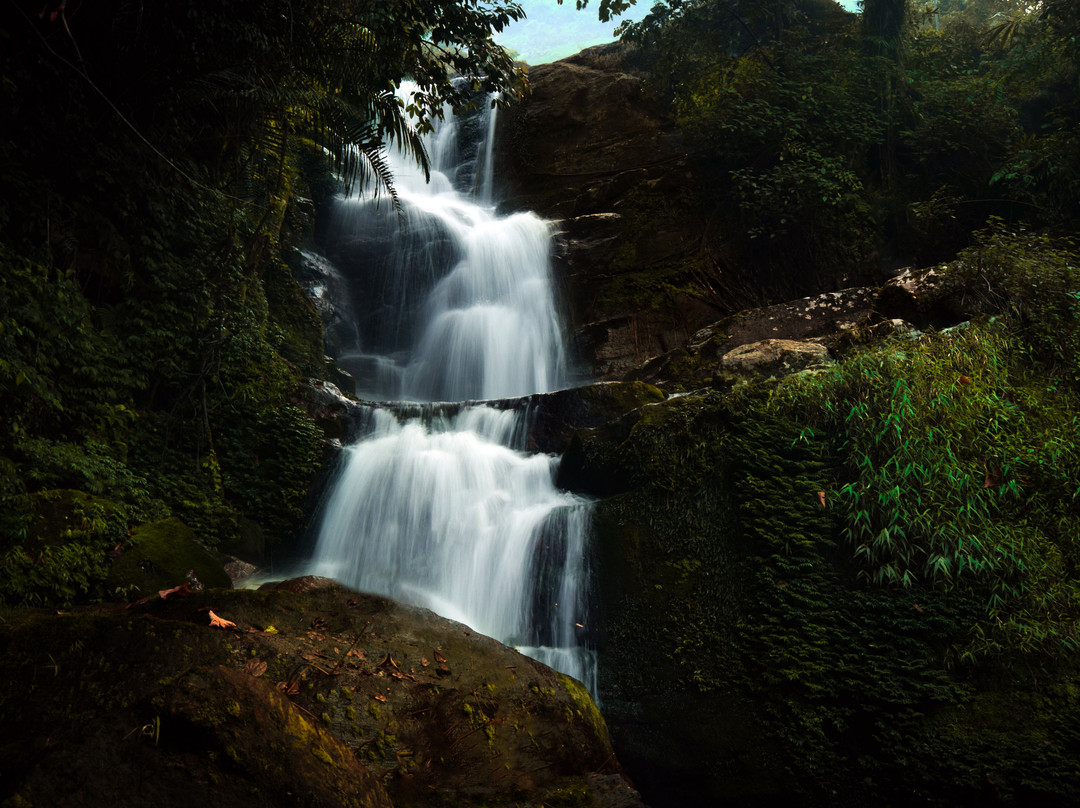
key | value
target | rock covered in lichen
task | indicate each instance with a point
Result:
(776, 357)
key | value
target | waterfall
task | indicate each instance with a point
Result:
(448, 511)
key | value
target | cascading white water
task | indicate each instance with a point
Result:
(449, 512)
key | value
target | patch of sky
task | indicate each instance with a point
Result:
(552, 31)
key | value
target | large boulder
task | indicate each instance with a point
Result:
(304, 694)
(922, 296)
(776, 357)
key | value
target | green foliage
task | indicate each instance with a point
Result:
(732, 586)
(959, 452)
(1033, 281)
(841, 145)
(56, 547)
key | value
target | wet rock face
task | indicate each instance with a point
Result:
(585, 135)
(316, 696)
(329, 292)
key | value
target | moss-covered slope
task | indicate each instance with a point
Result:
(857, 584)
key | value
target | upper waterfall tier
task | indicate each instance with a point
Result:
(457, 303)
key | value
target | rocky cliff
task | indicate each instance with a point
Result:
(588, 149)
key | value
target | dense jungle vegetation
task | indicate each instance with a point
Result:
(831, 145)
(869, 572)
(834, 146)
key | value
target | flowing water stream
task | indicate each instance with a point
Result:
(441, 506)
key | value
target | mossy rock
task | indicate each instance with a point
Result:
(160, 556)
(318, 696)
(606, 460)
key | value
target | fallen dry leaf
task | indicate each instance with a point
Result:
(218, 622)
(255, 667)
(424, 661)
(181, 591)
(439, 657)
(388, 662)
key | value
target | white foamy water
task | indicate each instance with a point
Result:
(449, 512)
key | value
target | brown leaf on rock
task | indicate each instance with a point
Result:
(388, 662)
(218, 622)
(439, 657)
(181, 591)
(424, 661)
(255, 667)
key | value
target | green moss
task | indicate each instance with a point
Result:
(650, 270)
(160, 556)
(584, 708)
(568, 797)
(610, 400)
(300, 336)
